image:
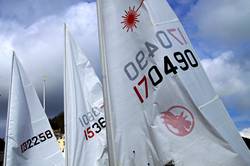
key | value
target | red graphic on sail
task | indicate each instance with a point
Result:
(130, 18)
(179, 120)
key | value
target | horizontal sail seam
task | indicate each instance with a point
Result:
(209, 102)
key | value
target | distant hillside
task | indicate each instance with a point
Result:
(57, 122)
(1, 145)
(247, 141)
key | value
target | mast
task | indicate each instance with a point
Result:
(8, 114)
(106, 95)
(44, 93)
(65, 100)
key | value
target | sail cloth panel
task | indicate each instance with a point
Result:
(29, 138)
(163, 108)
(84, 116)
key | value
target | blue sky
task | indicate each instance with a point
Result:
(219, 31)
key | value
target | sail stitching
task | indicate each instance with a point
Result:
(209, 102)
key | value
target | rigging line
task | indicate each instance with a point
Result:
(140, 5)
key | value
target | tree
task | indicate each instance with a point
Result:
(1, 145)
(57, 122)
(247, 141)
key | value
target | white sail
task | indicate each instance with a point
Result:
(29, 138)
(84, 117)
(159, 103)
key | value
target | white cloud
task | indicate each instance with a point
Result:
(40, 47)
(232, 82)
(245, 133)
(28, 11)
(218, 26)
(226, 20)
(228, 78)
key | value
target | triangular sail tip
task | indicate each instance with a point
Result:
(66, 31)
(65, 28)
(13, 56)
(15, 59)
(16, 90)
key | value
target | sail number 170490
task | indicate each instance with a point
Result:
(184, 60)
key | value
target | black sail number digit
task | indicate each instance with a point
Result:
(96, 126)
(36, 141)
(99, 125)
(169, 66)
(42, 137)
(102, 122)
(179, 57)
(189, 54)
(48, 134)
(29, 142)
(157, 73)
(24, 147)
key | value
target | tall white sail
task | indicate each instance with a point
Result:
(29, 138)
(84, 117)
(159, 104)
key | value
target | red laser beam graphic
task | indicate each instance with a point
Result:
(130, 18)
